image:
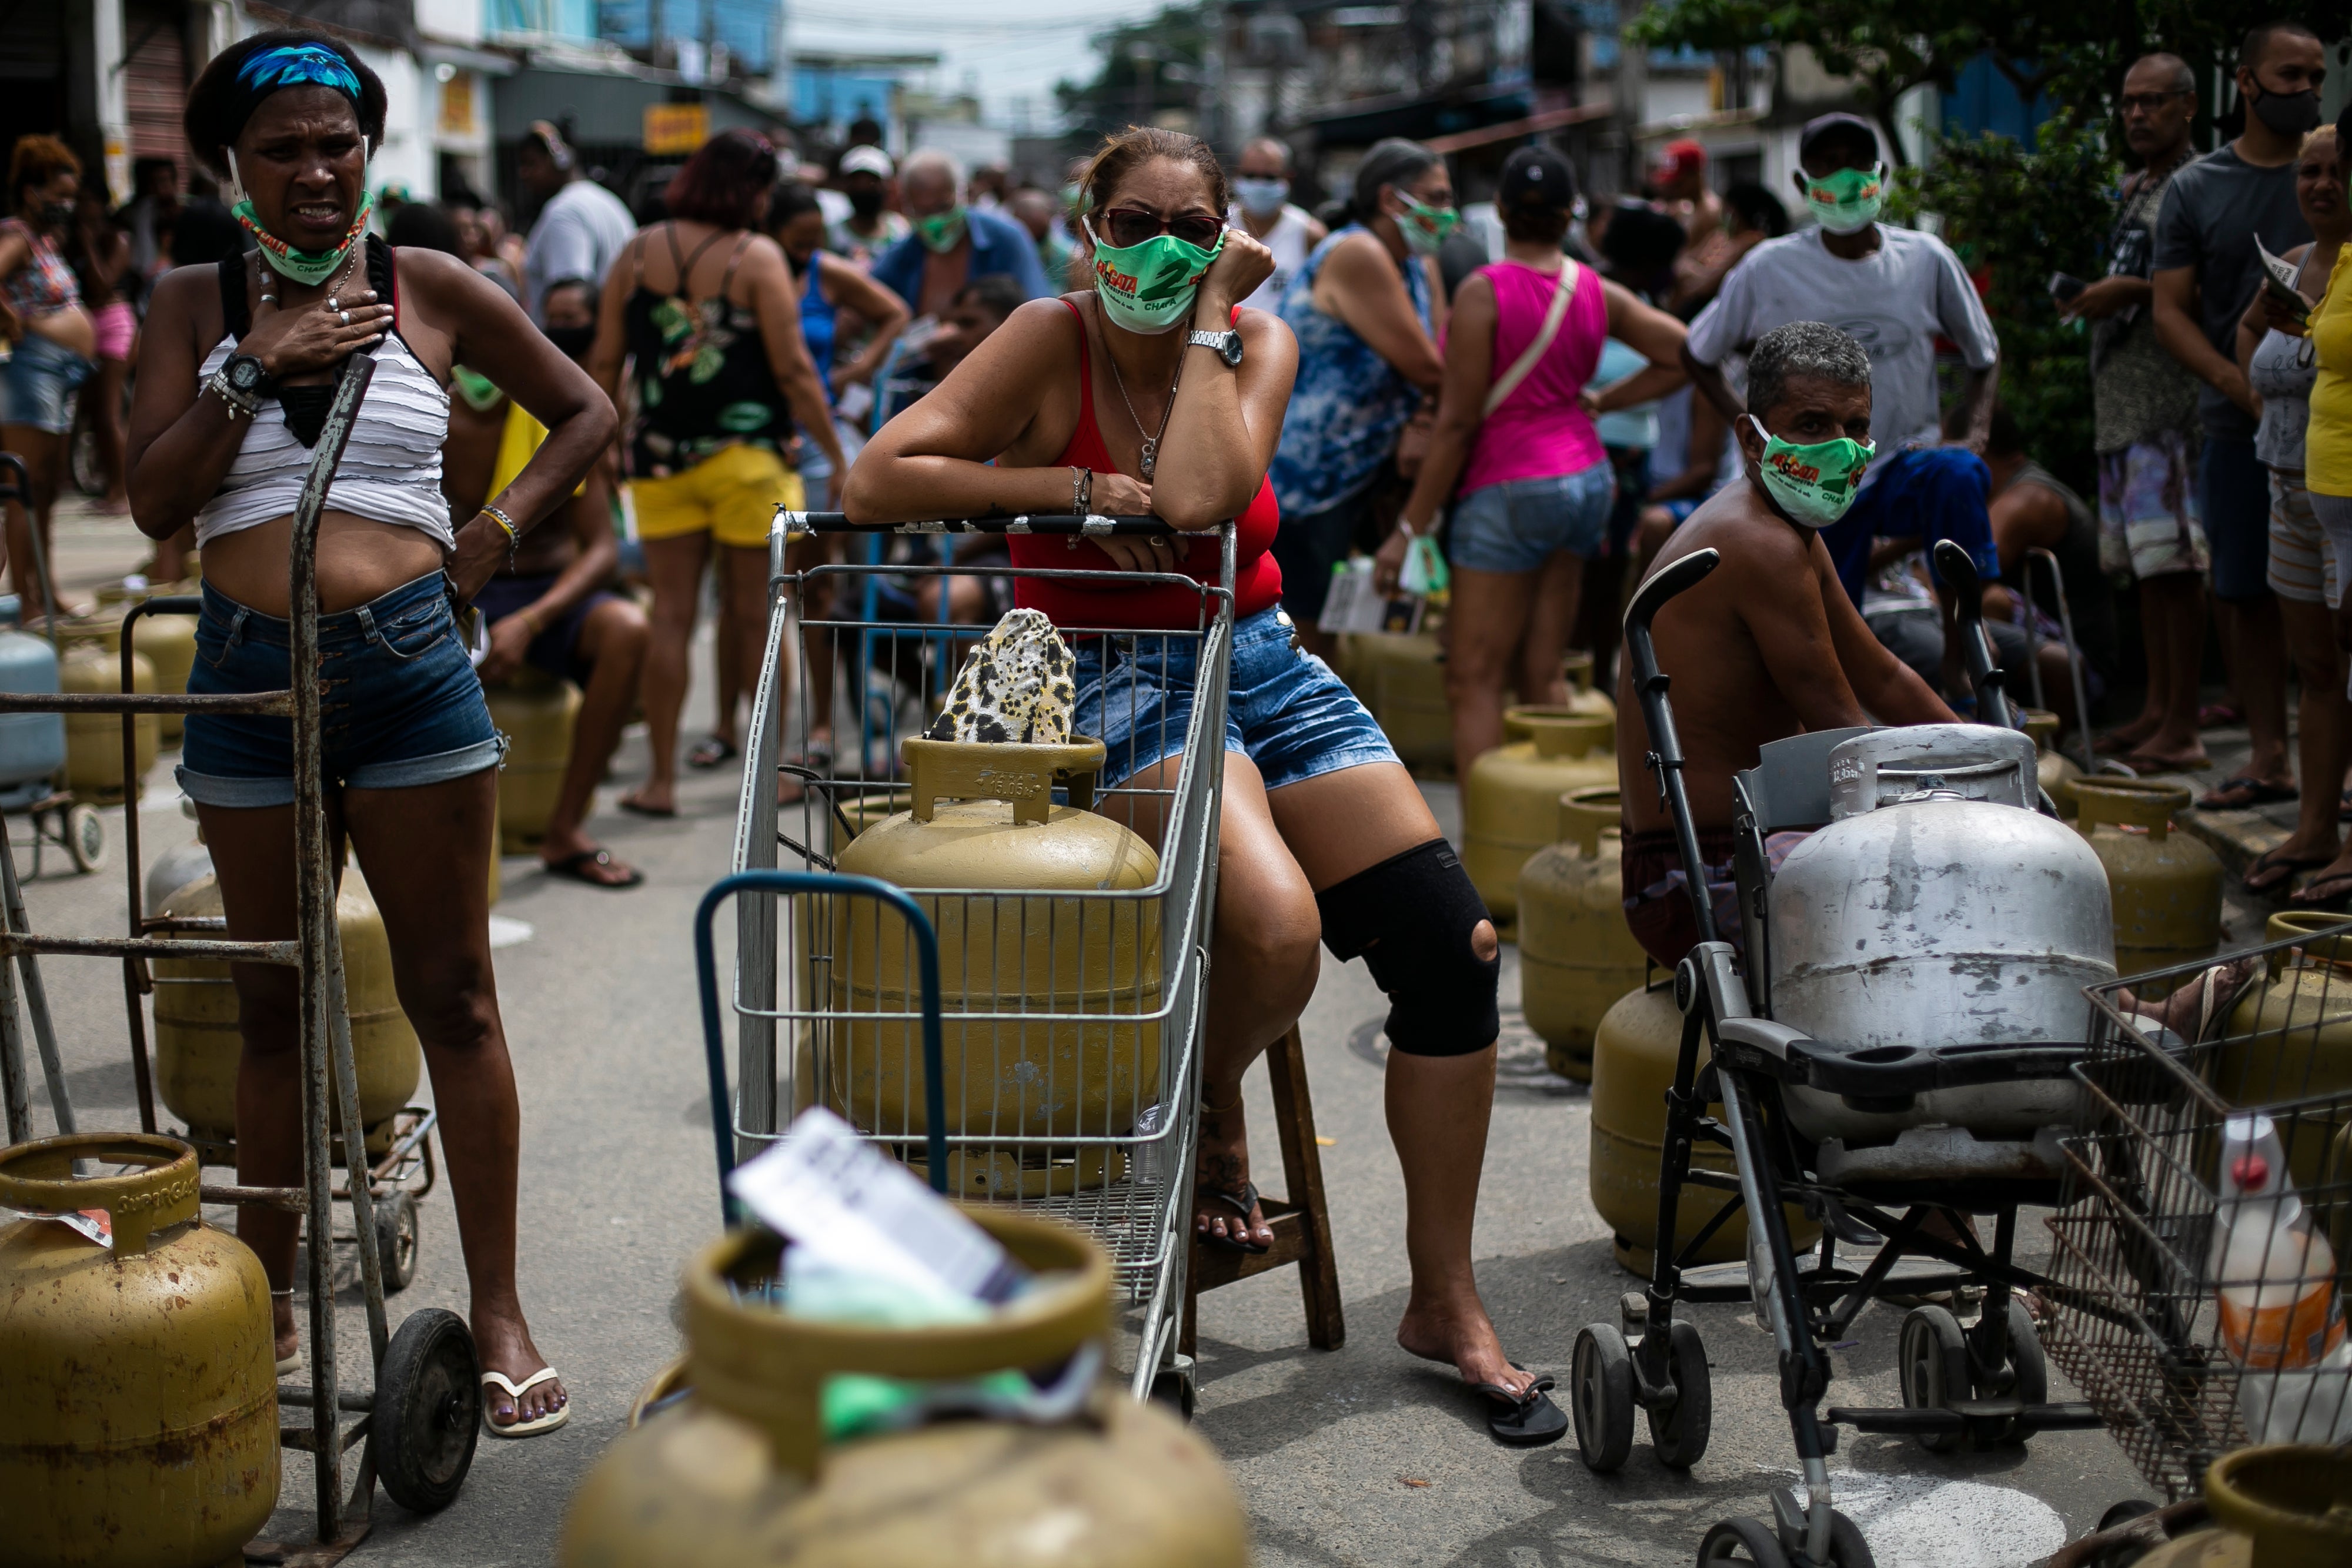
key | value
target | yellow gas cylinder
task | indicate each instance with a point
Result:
(2057, 772)
(1401, 679)
(982, 818)
(2278, 1505)
(1633, 1054)
(1510, 802)
(2165, 886)
(168, 643)
(740, 1471)
(137, 1399)
(1581, 697)
(196, 1043)
(93, 663)
(535, 713)
(1576, 956)
(2290, 1038)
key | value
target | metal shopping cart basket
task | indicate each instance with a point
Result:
(2143, 1307)
(1122, 1169)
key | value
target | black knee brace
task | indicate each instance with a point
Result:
(1413, 920)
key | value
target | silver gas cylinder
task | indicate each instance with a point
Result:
(1938, 908)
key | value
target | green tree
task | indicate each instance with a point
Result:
(1147, 67)
(2021, 213)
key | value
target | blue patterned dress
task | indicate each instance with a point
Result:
(1348, 403)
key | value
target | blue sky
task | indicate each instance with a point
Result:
(1005, 55)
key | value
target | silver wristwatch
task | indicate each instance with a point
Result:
(1228, 344)
(239, 401)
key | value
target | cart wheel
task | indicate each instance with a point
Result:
(1847, 1548)
(1602, 1397)
(395, 1239)
(1933, 1357)
(1679, 1433)
(1744, 1542)
(1172, 1389)
(428, 1411)
(2029, 1365)
(85, 838)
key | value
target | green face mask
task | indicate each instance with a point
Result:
(309, 269)
(1848, 201)
(1812, 485)
(1149, 289)
(1426, 228)
(941, 232)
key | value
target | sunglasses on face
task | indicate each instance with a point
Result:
(1125, 226)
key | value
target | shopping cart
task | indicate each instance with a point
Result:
(2135, 1314)
(420, 1419)
(1125, 1172)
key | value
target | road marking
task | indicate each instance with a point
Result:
(508, 932)
(1922, 1521)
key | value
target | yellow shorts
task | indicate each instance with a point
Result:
(732, 494)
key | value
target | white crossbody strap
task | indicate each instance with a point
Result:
(1526, 363)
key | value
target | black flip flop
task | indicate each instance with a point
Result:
(1523, 1420)
(570, 868)
(1241, 1202)
(2286, 865)
(2256, 793)
(2333, 902)
(660, 812)
(711, 752)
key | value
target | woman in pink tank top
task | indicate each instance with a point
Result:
(1516, 452)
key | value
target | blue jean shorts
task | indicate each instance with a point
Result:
(36, 381)
(1284, 710)
(1519, 524)
(399, 704)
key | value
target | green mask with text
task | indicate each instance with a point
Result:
(1149, 289)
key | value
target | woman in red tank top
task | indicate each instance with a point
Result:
(1323, 834)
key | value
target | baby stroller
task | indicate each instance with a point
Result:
(1871, 1118)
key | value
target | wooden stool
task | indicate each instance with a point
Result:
(1301, 1226)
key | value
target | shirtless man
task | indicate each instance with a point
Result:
(1769, 644)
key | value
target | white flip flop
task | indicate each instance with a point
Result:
(515, 1391)
(292, 1365)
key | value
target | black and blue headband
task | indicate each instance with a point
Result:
(265, 71)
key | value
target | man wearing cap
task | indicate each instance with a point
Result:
(1894, 290)
(952, 244)
(863, 175)
(1680, 179)
(1263, 207)
(581, 228)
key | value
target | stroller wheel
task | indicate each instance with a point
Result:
(2029, 1366)
(1933, 1360)
(1847, 1548)
(1602, 1397)
(1744, 1542)
(1679, 1433)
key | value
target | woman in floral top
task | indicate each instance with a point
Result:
(706, 310)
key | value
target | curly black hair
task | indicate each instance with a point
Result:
(220, 103)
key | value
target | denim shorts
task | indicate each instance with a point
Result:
(399, 703)
(1284, 710)
(36, 381)
(1519, 524)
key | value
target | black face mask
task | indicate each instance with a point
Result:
(56, 215)
(2288, 113)
(868, 203)
(571, 342)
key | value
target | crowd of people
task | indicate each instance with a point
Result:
(1529, 399)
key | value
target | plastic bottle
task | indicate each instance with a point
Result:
(2280, 1320)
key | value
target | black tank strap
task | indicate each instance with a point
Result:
(380, 275)
(237, 311)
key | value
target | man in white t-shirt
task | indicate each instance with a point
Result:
(1262, 206)
(1894, 290)
(581, 228)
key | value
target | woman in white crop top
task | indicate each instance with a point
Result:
(237, 365)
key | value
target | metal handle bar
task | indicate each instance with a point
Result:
(1051, 523)
(1665, 756)
(1959, 575)
(2073, 654)
(714, 1040)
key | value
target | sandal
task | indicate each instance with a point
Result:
(574, 868)
(1524, 1419)
(2247, 791)
(711, 751)
(1241, 1202)
(2334, 901)
(2283, 865)
(515, 1391)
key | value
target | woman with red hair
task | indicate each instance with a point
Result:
(705, 308)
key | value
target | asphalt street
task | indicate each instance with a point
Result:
(1358, 1456)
